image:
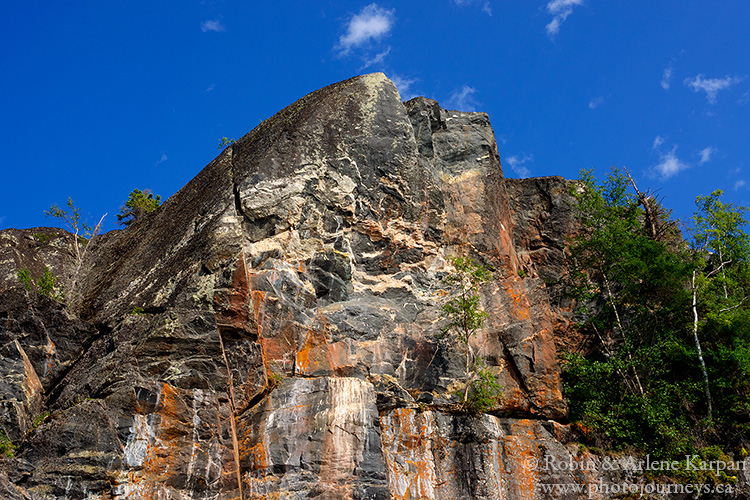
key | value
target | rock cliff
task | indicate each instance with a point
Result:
(272, 330)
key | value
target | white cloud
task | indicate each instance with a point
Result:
(711, 86)
(486, 7)
(670, 165)
(463, 99)
(161, 160)
(372, 23)
(2, 218)
(517, 164)
(706, 154)
(658, 141)
(594, 103)
(378, 59)
(403, 85)
(210, 87)
(560, 9)
(737, 185)
(212, 25)
(666, 77)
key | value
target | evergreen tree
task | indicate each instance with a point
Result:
(139, 204)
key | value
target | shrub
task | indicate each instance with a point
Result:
(484, 391)
(7, 448)
(44, 284)
(39, 420)
(44, 239)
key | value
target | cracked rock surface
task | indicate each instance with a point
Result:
(272, 330)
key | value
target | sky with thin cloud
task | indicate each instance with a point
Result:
(101, 98)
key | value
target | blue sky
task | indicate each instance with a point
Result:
(99, 98)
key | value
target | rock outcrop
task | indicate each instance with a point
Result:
(272, 330)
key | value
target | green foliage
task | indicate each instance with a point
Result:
(39, 420)
(7, 448)
(719, 227)
(274, 379)
(71, 216)
(465, 320)
(44, 239)
(618, 418)
(722, 286)
(24, 276)
(137, 311)
(224, 142)
(44, 284)
(484, 391)
(139, 204)
(641, 384)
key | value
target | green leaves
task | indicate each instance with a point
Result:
(70, 216)
(465, 320)
(633, 302)
(719, 227)
(669, 322)
(139, 204)
(44, 284)
(7, 448)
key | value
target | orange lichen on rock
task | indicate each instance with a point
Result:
(520, 454)
(519, 306)
(407, 449)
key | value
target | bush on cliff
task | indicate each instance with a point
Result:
(44, 284)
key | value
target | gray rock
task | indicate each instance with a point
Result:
(272, 330)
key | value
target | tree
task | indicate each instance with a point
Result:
(465, 320)
(668, 322)
(72, 218)
(224, 142)
(721, 274)
(139, 204)
(629, 287)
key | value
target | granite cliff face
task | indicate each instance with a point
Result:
(288, 342)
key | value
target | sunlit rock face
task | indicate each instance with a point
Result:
(287, 346)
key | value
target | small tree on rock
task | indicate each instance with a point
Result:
(139, 204)
(72, 218)
(465, 320)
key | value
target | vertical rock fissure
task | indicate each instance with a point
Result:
(232, 416)
(232, 401)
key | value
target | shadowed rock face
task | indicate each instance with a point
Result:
(291, 296)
